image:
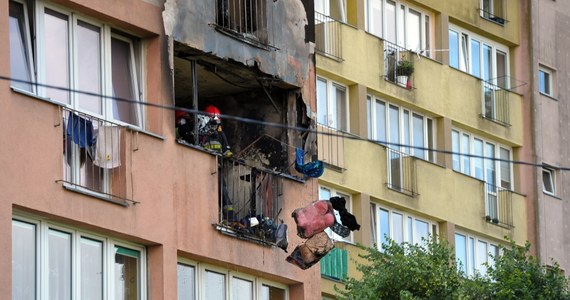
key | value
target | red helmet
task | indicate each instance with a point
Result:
(213, 111)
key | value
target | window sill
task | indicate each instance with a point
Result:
(548, 96)
(551, 195)
(34, 96)
(497, 20)
(105, 197)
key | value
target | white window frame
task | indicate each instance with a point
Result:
(495, 46)
(331, 87)
(432, 225)
(108, 250)
(107, 33)
(333, 193)
(471, 150)
(551, 175)
(28, 47)
(200, 270)
(425, 45)
(473, 262)
(372, 127)
(548, 84)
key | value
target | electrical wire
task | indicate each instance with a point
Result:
(287, 127)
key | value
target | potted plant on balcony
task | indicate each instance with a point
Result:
(404, 70)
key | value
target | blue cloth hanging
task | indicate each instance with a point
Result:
(80, 131)
(311, 169)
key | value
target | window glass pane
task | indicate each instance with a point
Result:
(394, 127)
(490, 164)
(410, 230)
(186, 282)
(91, 265)
(369, 116)
(475, 58)
(463, 55)
(375, 17)
(19, 56)
(390, 21)
(465, 150)
(397, 227)
(481, 257)
(414, 30)
(430, 138)
(23, 261)
(324, 193)
(544, 82)
(461, 252)
(453, 49)
(126, 273)
(242, 289)
(215, 286)
(493, 252)
(455, 148)
(505, 168)
(384, 226)
(59, 265)
(89, 66)
(380, 121)
(56, 54)
(322, 108)
(547, 181)
(478, 158)
(419, 136)
(502, 80)
(427, 29)
(339, 108)
(422, 231)
(124, 82)
(272, 293)
(401, 27)
(406, 137)
(487, 69)
(471, 253)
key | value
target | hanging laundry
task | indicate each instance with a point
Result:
(108, 147)
(306, 255)
(346, 218)
(313, 218)
(80, 131)
(311, 169)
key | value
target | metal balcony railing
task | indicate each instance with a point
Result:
(401, 172)
(331, 146)
(328, 36)
(495, 102)
(245, 19)
(250, 201)
(335, 264)
(498, 205)
(397, 63)
(94, 158)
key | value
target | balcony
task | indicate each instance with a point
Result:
(328, 35)
(498, 205)
(95, 158)
(398, 65)
(401, 172)
(250, 201)
(331, 146)
(335, 264)
(243, 19)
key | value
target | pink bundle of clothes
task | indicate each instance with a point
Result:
(314, 218)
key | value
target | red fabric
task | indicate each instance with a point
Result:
(314, 218)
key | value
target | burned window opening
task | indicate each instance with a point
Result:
(245, 19)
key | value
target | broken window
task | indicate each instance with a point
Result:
(248, 18)
(237, 113)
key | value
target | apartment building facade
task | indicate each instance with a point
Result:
(427, 151)
(547, 127)
(106, 196)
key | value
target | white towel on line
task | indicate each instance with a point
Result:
(108, 151)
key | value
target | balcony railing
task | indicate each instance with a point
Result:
(250, 201)
(401, 172)
(246, 19)
(498, 205)
(94, 156)
(331, 146)
(397, 60)
(495, 102)
(328, 36)
(335, 264)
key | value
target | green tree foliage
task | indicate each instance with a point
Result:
(406, 271)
